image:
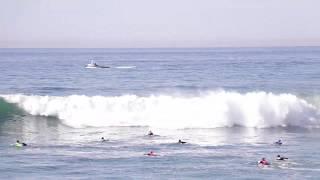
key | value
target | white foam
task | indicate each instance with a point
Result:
(211, 110)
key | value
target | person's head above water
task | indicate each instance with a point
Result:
(278, 155)
(150, 153)
(18, 141)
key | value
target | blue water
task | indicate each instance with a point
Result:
(61, 72)
(229, 104)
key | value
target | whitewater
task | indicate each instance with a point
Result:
(210, 110)
(229, 104)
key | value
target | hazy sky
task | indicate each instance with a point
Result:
(158, 23)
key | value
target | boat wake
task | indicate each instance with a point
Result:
(125, 67)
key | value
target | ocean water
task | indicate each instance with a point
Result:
(229, 104)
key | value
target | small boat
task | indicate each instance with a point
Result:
(92, 65)
(95, 65)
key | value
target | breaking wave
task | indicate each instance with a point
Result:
(210, 110)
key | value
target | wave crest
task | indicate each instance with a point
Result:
(211, 110)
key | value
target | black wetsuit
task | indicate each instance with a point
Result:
(281, 158)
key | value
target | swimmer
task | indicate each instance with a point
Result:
(281, 158)
(181, 142)
(264, 162)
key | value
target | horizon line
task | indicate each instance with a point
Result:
(204, 47)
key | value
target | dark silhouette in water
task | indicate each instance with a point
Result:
(279, 142)
(281, 158)
(103, 139)
(150, 133)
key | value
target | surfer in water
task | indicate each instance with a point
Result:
(181, 142)
(103, 139)
(151, 153)
(281, 158)
(20, 144)
(279, 142)
(263, 161)
(150, 133)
